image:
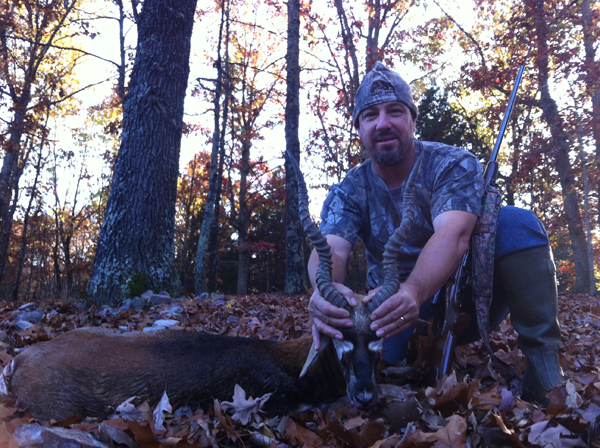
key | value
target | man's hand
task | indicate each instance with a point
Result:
(325, 316)
(395, 314)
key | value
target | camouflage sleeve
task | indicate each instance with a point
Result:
(458, 186)
(341, 214)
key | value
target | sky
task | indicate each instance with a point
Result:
(106, 45)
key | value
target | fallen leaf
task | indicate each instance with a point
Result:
(244, 407)
(163, 406)
(454, 435)
(135, 409)
(34, 435)
(143, 434)
(553, 436)
(300, 436)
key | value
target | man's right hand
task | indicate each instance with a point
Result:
(326, 316)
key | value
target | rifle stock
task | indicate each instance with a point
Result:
(455, 320)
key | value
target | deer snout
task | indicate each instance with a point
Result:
(365, 399)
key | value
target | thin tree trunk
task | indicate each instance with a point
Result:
(295, 278)
(586, 200)
(137, 236)
(560, 152)
(243, 221)
(209, 210)
(592, 83)
(26, 223)
(20, 96)
(213, 244)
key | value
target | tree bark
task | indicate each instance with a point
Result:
(243, 220)
(592, 83)
(586, 197)
(213, 243)
(211, 200)
(295, 278)
(560, 151)
(137, 235)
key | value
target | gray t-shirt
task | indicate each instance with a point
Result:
(362, 207)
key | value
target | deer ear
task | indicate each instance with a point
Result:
(313, 354)
(342, 347)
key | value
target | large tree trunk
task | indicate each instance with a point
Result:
(295, 279)
(560, 151)
(137, 234)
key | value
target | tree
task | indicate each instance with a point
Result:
(208, 232)
(441, 121)
(136, 238)
(295, 279)
(590, 29)
(33, 78)
(561, 140)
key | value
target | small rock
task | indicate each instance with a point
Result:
(147, 294)
(203, 296)
(166, 323)
(232, 319)
(35, 316)
(154, 328)
(174, 310)
(137, 303)
(157, 299)
(217, 296)
(105, 310)
(27, 307)
(125, 304)
(23, 325)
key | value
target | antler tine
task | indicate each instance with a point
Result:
(324, 281)
(391, 282)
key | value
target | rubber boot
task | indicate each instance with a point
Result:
(526, 281)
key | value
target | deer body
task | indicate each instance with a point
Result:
(90, 371)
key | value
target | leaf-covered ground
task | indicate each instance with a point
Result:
(469, 408)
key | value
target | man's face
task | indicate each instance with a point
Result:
(386, 131)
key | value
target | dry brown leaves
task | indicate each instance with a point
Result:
(469, 408)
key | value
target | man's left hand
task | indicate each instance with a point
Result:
(395, 314)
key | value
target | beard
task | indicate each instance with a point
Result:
(390, 157)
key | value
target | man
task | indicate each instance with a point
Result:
(367, 204)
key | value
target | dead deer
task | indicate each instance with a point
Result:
(90, 371)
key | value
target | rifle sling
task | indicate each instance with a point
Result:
(483, 245)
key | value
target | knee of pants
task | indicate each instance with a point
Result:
(396, 347)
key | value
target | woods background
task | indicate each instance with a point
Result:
(105, 162)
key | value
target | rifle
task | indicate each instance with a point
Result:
(481, 255)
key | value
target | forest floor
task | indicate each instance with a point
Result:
(471, 407)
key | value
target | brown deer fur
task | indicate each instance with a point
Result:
(90, 371)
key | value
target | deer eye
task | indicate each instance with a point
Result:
(376, 346)
(342, 347)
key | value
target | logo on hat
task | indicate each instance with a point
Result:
(382, 87)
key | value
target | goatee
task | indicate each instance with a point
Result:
(392, 157)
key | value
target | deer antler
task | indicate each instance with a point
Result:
(324, 281)
(391, 282)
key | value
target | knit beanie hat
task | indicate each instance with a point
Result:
(381, 85)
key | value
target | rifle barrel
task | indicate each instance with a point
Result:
(509, 107)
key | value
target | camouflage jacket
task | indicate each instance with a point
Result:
(362, 207)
